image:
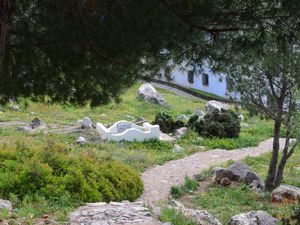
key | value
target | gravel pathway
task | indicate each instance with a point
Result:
(159, 179)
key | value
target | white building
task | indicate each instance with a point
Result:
(203, 79)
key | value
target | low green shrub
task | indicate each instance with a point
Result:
(189, 185)
(166, 123)
(217, 124)
(55, 172)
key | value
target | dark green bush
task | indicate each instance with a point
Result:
(166, 123)
(217, 124)
(54, 172)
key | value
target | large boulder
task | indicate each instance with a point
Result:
(215, 105)
(4, 204)
(253, 218)
(286, 192)
(244, 173)
(201, 217)
(148, 93)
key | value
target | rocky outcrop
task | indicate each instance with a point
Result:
(238, 172)
(148, 93)
(253, 218)
(286, 192)
(201, 217)
(112, 213)
(215, 105)
(5, 204)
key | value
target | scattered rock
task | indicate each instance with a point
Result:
(81, 140)
(199, 216)
(254, 186)
(166, 137)
(5, 204)
(286, 192)
(179, 133)
(213, 105)
(15, 108)
(199, 113)
(182, 117)
(177, 149)
(103, 115)
(253, 218)
(251, 176)
(87, 123)
(149, 93)
(241, 117)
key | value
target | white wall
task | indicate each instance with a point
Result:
(217, 82)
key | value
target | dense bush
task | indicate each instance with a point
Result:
(166, 123)
(217, 124)
(54, 172)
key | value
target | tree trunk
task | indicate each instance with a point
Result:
(280, 170)
(6, 12)
(274, 160)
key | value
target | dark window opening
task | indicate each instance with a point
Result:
(191, 77)
(205, 79)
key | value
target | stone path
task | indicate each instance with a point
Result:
(172, 89)
(157, 184)
(159, 179)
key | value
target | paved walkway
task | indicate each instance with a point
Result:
(159, 179)
(174, 90)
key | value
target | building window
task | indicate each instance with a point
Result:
(191, 76)
(205, 79)
(229, 84)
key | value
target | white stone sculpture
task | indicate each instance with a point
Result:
(127, 131)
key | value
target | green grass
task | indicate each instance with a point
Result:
(189, 186)
(226, 202)
(213, 96)
(171, 215)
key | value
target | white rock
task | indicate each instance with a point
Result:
(253, 218)
(87, 123)
(15, 108)
(287, 192)
(241, 117)
(245, 125)
(179, 133)
(149, 93)
(212, 105)
(4, 204)
(199, 113)
(81, 140)
(177, 149)
(182, 117)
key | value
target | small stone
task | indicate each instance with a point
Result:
(35, 123)
(179, 133)
(241, 117)
(177, 149)
(199, 113)
(103, 115)
(15, 108)
(5, 204)
(245, 125)
(81, 140)
(129, 117)
(221, 173)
